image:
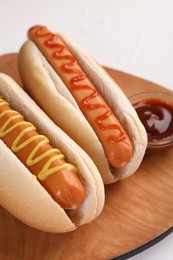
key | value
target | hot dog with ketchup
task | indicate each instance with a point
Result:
(115, 138)
(38, 184)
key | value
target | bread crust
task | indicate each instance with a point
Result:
(19, 190)
(33, 67)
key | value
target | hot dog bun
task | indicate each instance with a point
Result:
(20, 191)
(36, 71)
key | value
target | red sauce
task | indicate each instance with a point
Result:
(70, 66)
(157, 118)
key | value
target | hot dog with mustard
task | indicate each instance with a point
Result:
(36, 177)
(115, 138)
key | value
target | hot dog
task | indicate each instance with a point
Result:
(58, 193)
(115, 138)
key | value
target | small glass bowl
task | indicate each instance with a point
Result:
(164, 98)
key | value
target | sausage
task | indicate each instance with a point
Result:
(46, 163)
(116, 143)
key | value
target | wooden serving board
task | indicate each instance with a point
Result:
(137, 210)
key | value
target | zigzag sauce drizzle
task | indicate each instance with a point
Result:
(32, 159)
(68, 68)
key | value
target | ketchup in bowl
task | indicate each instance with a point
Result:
(155, 110)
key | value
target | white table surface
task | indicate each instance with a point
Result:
(134, 36)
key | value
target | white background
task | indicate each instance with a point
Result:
(134, 36)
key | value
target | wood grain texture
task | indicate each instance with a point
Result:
(137, 209)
